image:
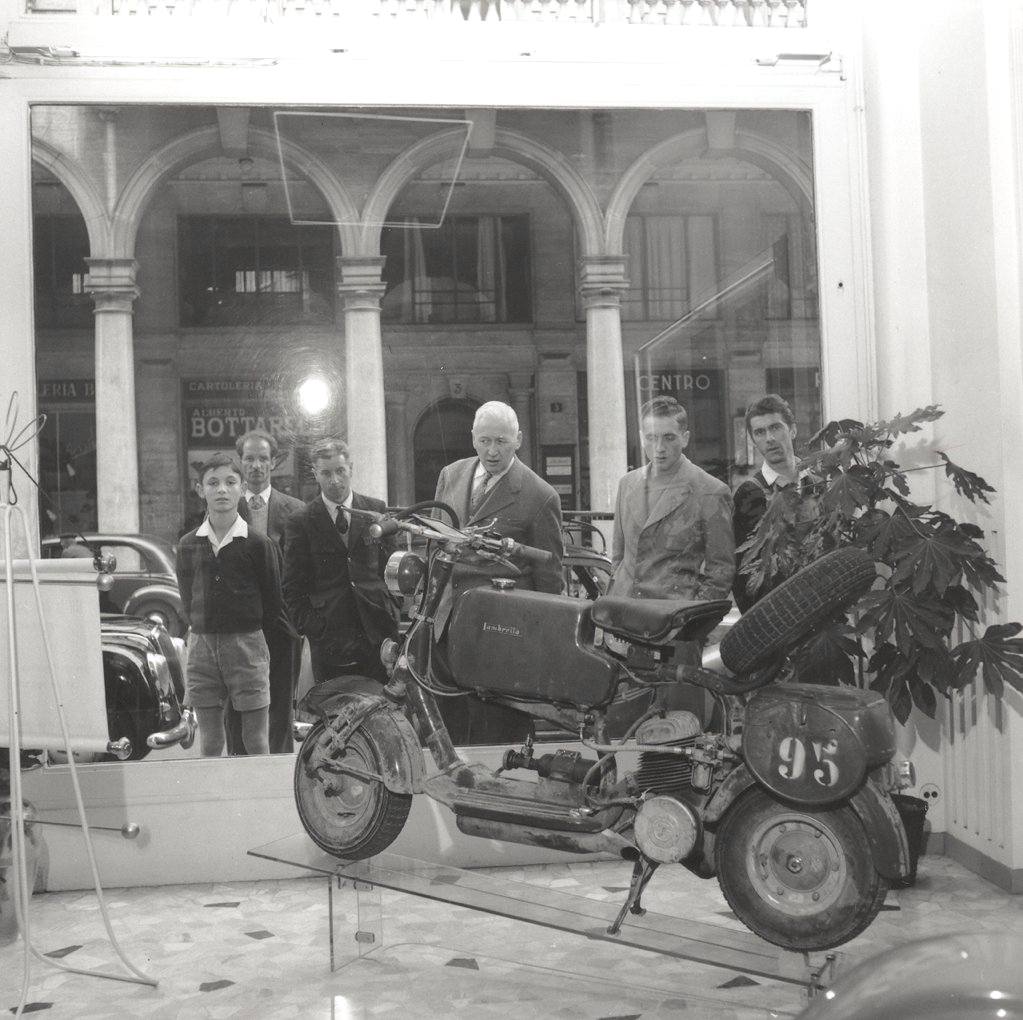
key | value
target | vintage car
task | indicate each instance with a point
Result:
(144, 684)
(145, 581)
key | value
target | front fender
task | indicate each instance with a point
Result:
(148, 592)
(400, 757)
(736, 782)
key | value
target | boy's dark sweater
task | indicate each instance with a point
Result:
(237, 591)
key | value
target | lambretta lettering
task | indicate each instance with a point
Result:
(792, 751)
(500, 628)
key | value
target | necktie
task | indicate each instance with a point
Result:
(256, 502)
(479, 490)
(341, 522)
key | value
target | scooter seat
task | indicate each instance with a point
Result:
(657, 621)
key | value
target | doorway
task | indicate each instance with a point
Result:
(443, 434)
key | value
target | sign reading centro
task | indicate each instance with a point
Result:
(653, 383)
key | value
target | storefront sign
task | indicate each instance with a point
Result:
(675, 384)
(51, 391)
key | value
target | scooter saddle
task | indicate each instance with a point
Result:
(657, 621)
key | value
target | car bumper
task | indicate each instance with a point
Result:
(183, 733)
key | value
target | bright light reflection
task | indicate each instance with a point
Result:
(314, 395)
(342, 1009)
(997, 995)
(829, 994)
(1000, 1013)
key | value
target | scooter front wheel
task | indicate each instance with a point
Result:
(800, 879)
(344, 810)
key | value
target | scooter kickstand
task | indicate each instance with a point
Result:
(642, 872)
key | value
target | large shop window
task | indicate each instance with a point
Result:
(671, 259)
(254, 270)
(470, 269)
(60, 245)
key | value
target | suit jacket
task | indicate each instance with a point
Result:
(524, 507)
(321, 604)
(279, 508)
(679, 548)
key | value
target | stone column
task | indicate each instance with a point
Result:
(361, 290)
(602, 282)
(401, 481)
(112, 285)
(519, 392)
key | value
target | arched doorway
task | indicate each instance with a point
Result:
(442, 435)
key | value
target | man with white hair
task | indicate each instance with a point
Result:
(496, 486)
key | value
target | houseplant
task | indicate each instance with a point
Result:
(916, 635)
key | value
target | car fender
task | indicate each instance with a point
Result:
(401, 758)
(147, 592)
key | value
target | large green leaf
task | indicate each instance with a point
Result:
(828, 655)
(966, 483)
(934, 559)
(998, 655)
(902, 424)
(908, 619)
(850, 491)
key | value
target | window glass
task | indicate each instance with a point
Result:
(254, 270)
(59, 251)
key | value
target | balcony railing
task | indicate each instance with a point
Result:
(706, 13)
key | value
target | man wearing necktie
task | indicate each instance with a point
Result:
(333, 572)
(267, 510)
(496, 486)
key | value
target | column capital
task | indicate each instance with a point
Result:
(111, 282)
(602, 280)
(360, 284)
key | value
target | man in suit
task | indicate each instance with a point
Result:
(267, 511)
(333, 573)
(673, 528)
(496, 486)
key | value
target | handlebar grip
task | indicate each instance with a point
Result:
(382, 528)
(530, 552)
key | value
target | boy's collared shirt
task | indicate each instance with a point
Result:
(239, 529)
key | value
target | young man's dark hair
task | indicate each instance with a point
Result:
(771, 403)
(329, 447)
(665, 407)
(218, 460)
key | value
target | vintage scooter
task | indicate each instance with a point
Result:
(785, 795)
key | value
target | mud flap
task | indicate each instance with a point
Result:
(885, 831)
(401, 759)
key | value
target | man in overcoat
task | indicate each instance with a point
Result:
(333, 573)
(673, 521)
(496, 486)
(673, 531)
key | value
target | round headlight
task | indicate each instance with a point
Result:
(403, 572)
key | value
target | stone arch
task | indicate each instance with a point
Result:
(85, 193)
(550, 165)
(426, 459)
(787, 169)
(204, 142)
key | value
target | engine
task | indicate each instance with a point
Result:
(667, 773)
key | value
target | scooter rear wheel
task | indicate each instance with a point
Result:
(800, 879)
(345, 815)
(795, 607)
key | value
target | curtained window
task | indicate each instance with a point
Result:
(470, 269)
(672, 262)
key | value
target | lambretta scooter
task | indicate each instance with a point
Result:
(785, 797)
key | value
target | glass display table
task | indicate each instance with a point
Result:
(677, 937)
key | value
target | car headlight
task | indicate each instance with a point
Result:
(403, 572)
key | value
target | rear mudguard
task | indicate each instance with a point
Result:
(874, 808)
(401, 760)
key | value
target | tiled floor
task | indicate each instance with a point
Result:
(259, 949)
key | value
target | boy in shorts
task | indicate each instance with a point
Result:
(230, 590)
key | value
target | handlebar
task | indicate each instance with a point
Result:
(439, 531)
